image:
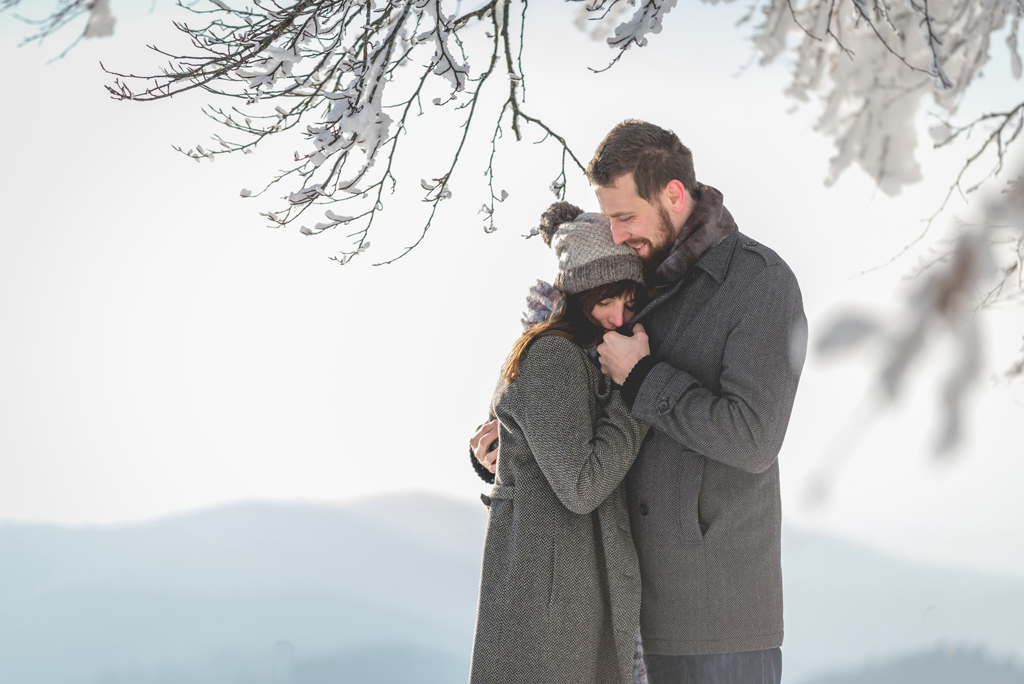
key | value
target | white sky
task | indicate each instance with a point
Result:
(162, 350)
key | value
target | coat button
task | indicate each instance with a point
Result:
(663, 405)
(643, 509)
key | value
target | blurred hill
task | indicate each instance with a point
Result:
(937, 666)
(205, 597)
(385, 590)
(846, 605)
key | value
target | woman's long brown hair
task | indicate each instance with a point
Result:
(572, 321)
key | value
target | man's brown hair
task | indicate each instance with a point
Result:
(653, 155)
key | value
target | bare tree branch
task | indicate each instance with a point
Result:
(332, 65)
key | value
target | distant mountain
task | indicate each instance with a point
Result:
(385, 591)
(205, 597)
(938, 666)
(846, 605)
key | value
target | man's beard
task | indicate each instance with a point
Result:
(659, 249)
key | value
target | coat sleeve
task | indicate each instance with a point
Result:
(482, 472)
(742, 425)
(583, 459)
(485, 474)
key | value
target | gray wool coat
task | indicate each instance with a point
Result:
(560, 584)
(727, 346)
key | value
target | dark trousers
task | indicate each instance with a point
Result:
(748, 667)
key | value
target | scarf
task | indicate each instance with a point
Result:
(542, 302)
(707, 226)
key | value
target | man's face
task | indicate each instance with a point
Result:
(645, 227)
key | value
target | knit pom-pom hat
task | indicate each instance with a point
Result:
(587, 255)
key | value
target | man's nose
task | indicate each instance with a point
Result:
(619, 234)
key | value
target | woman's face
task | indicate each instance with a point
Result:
(614, 312)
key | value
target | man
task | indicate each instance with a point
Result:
(712, 365)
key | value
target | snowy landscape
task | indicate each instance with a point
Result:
(226, 458)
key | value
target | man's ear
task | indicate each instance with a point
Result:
(675, 197)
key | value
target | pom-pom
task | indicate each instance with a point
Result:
(555, 215)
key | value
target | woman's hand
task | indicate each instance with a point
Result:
(482, 444)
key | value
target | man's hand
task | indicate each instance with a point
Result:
(620, 353)
(481, 443)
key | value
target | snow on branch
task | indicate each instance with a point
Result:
(99, 24)
(647, 19)
(329, 70)
(873, 61)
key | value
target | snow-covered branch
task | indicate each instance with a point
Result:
(646, 19)
(872, 62)
(331, 69)
(99, 23)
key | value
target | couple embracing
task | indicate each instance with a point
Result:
(639, 427)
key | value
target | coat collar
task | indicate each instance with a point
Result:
(706, 228)
(715, 261)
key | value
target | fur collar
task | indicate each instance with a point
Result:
(708, 225)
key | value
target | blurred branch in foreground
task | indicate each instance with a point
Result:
(99, 24)
(980, 267)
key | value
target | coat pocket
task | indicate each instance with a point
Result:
(669, 486)
(692, 481)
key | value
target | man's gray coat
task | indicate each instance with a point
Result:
(728, 339)
(560, 585)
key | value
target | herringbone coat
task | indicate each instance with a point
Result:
(728, 340)
(560, 584)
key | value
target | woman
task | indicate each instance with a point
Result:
(560, 584)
